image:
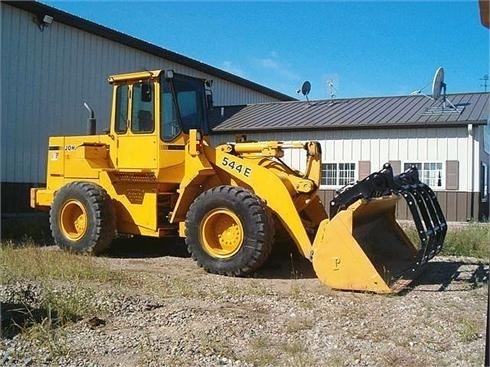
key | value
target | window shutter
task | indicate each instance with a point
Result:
(452, 175)
(397, 167)
(364, 169)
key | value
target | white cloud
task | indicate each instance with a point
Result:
(269, 63)
(230, 67)
(274, 64)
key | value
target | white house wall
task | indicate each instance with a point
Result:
(46, 76)
(380, 146)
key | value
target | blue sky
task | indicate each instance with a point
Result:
(374, 48)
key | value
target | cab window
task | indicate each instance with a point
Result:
(121, 125)
(143, 114)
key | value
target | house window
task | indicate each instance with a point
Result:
(430, 173)
(338, 174)
(484, 182)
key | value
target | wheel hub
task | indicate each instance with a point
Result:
(221, 233)
(73, 220)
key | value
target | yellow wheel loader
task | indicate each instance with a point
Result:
(155, 174)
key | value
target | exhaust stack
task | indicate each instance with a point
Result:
(91, 121)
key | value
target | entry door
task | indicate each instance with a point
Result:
(137, 138)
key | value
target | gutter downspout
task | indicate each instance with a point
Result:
(471, 137)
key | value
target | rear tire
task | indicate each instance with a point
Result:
(82, 218)
(229, 231)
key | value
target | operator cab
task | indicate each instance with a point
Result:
(160, 103)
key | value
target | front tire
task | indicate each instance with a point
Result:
(82, 218)
(229, 231)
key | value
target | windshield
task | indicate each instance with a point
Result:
(190, 100)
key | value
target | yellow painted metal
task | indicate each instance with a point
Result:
(314, 162)
(271, 186)
(221, 233)
(134, 195)
(140, 75)
(260, 149)
(136, 150)
(41, 198)
(363, 248)
(73, 220)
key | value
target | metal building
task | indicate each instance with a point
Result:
(52, 61)
(450, 146)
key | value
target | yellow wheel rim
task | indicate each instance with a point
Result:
(73, 220)
(221, 233)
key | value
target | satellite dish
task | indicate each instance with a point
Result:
(306, 88)
(438, 83)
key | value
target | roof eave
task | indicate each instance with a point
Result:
(446, 124)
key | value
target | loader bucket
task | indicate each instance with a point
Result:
(362, 247)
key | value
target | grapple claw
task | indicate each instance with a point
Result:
(362, 233)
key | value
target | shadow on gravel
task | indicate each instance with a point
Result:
(444, 276)
(147, 247)
(285, 262)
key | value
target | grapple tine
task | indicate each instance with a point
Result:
(422, 200)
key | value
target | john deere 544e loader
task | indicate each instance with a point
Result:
(154, 174)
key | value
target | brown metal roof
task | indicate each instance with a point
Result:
(376, 112)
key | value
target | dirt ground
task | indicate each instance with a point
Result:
(172, 313)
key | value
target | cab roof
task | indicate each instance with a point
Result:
(146, 74)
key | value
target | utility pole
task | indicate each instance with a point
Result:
(485, 82)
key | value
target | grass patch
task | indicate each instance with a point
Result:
(39, 313)
(34, 263)
(468, 330)
(46, 289)
(299, 324)
(261, 353)
(47, 334)
(472, 240)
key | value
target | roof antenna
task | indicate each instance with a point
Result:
(331, 89)
(305, 90)
(485, 81)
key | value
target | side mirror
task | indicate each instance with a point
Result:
(209, 94)
(146, 92)
(169, 74)
(209, 101)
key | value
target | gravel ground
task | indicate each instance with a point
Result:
(171, 313)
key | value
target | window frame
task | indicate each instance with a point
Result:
(117, 109)
(421, 172)
(338, 177)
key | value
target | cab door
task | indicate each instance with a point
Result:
(135, 127)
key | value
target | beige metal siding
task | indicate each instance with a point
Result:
(381, 146)
(46, 76)
(397, 146)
